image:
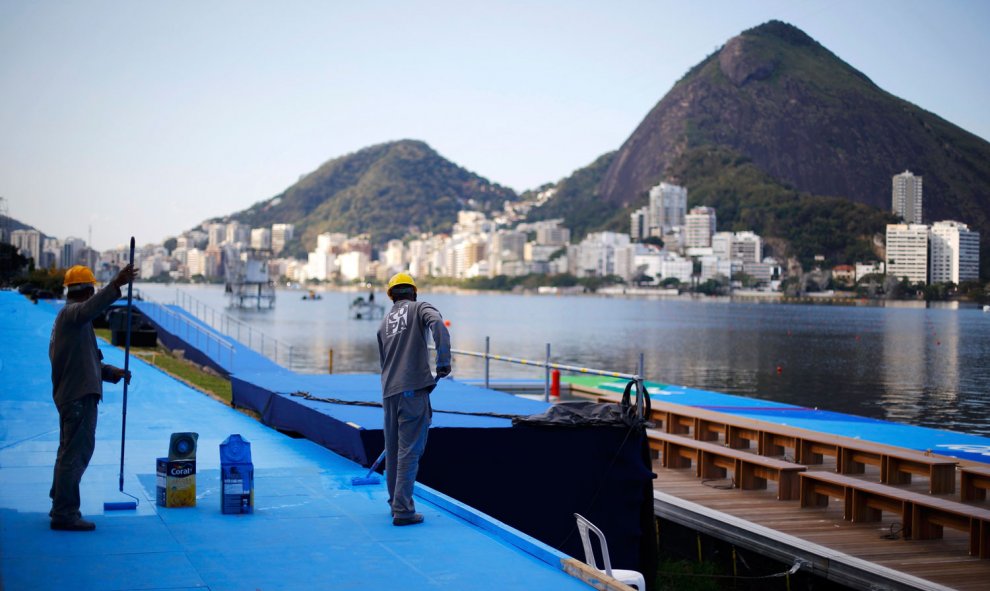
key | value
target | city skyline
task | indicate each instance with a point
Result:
(147, 120)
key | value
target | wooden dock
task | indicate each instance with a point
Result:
(865, 555)
(858, 555)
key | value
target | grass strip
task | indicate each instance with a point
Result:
(182, 369)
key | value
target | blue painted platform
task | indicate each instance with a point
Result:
(474, 453)
(311, 528)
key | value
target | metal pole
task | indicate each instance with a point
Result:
(487, 349)
(546, 377)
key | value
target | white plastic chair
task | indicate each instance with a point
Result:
(629, 577)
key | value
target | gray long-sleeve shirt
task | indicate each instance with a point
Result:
(402, 347)
(77, 367)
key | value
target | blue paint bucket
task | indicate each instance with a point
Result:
(236, 476)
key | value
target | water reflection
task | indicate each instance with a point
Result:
(907, 363)
(921, 366)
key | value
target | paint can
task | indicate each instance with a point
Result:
(236, 476)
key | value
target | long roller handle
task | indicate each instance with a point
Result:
(127, 365)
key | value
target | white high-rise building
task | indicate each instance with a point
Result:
(954, 254)
(510, 245)
(195, 263)
(596, 255)
(353, 265)
(746, 247)
(28, 243)
(699, 227)
(71, 249)
(554, 234)
(395, 255)
(906, 197)
(261, 238)
(238, 232)
(907, 252)
(668, 207)
(281, 234)
(217, 234)
(51, 254)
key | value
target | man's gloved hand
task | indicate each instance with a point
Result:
(443, 371)
(119, 373)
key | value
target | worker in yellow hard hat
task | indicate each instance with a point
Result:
(406, 386)
(78, 374)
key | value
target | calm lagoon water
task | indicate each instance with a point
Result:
(906, 363)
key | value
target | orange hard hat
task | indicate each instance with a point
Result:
(79, 275)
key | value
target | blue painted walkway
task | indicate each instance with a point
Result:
(311, 528)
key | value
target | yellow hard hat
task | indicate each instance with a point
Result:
(78, 275)
(400, 279)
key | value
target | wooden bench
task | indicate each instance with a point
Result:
(974, 481)
(711, 460)
(922, 516)
(897, 465)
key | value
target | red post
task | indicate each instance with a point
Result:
(555, 384)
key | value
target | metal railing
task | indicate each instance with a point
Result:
(257, 340)
(549, 365)
(196, 336)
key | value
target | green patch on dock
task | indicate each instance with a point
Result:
(607, 383)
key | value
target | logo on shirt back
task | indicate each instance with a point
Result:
(397, 321)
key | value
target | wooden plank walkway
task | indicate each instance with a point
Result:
(943, 562)
(863, 555)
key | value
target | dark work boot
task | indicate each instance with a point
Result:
(413, 519)
(79, 524)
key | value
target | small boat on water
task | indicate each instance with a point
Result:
(362, 309)
(312, 296)
(986, 308)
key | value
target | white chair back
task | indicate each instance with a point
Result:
(629, 577)
(584, 527)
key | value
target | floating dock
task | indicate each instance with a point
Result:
(731, 470)
(311, 528)
(887, 465)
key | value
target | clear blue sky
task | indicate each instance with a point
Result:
(146, 118)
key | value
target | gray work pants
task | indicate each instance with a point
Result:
(407, 422)
(76, 442)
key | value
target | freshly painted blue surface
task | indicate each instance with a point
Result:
(450, 395)
(950, 443)
(311, 528)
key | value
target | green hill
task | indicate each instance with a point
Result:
(388, 191)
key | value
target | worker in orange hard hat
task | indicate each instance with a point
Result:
(406, 386)
(78, 373)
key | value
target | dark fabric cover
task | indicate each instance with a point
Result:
(583, 414)
(534, 478)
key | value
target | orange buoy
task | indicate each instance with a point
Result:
(446, 323)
